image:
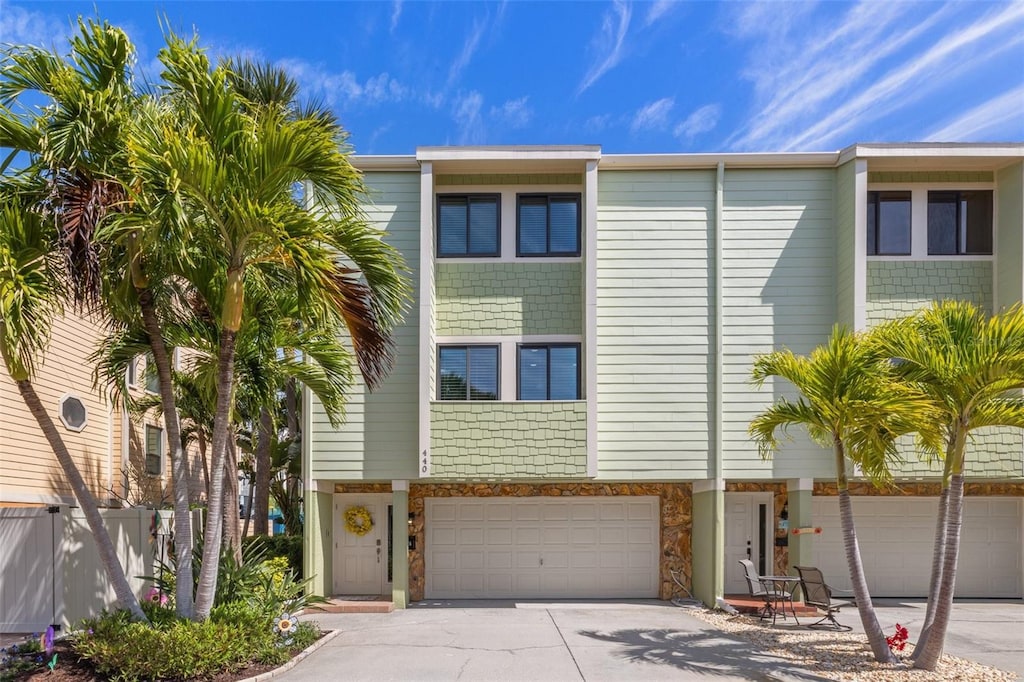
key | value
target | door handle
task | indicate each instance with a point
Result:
(748, 549)
(378, 550)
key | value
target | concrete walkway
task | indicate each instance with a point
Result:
(594, 641)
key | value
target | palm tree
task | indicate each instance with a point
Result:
(849, 403)
(230, 172)
(972, 367)
(79, 149)
(31, 295)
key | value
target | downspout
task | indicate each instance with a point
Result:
(719, 364)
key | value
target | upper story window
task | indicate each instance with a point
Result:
(151, 375)
(468, 372)
(548, 225)
(154, 450)
(889, 223)
(960, 223)
(549, 371)
(73, 413)
(132, 376)
(468, 225)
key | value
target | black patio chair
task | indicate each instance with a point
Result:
(819, 595)
(771, 597)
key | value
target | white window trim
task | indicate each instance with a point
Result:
(507, 378)
(133, 382)
(919, 218)
(162, 450)
(508, 220)
(60, 412)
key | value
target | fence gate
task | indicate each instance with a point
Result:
(31, 577)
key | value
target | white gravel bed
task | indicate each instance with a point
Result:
(844, 655)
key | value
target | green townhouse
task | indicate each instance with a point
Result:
(567, 416)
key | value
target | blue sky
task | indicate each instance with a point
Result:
(633, 77)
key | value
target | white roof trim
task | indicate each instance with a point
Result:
(511, 153)
(711, 161)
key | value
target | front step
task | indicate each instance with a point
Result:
(746, 604)
(343, 604)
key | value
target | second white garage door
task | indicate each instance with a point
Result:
(896, 536)
(542, 547)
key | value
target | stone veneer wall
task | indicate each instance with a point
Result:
(780, 555)
(508, 298)
(986, 489)
(485, 439)
(676, 518)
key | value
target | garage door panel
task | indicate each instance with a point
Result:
(896, 542)
(547, 548)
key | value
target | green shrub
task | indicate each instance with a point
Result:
(287, 546)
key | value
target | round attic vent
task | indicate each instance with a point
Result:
(73, 413)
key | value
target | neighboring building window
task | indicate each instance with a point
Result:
(888, 223)
(468, 372)
(154, 450)
(133, 372)
(73, 413)
(960, 223)
(548, 225)
(468, 225)
(152, 378)
(549, 371)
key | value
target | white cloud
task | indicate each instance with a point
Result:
(383, 88)
(700, 121)
(396, 13)
(657, 10)
(514, 113)
(1000, 118)
(342, 88)
(652, 116)
(468, 49)
(19, 26)
(596, 124)
(466, 113)
(608, 43)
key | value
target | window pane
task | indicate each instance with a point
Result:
(451, 227)
(564, 373)
(976, 219)
(483, 373)
(942, 232)
(563, 226)
(453, 384)
(533, 374)
(152, 378)
(533, 216)
(894, 223)
(483, 226)
(154, 450)
(872, 223)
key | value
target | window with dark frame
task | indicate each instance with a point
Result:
(467, 372)
(548, 225)
(133, 372)
(548, 371)
(150, 374)
(889, 223)
(154, 450)
(960, 223)
(468, 225)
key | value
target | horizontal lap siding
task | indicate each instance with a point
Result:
(379, 437)
(653, 321)
(779, 271)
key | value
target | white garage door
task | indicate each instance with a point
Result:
(896, 538)
(542, 547)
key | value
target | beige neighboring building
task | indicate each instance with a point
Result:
(123, 460)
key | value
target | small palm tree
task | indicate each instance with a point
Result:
(31, 295)
(850, 403)
(972, 367)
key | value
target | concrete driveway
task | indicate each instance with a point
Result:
(593, 641)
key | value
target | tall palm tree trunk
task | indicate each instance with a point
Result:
(201, 437)
(183, 599)
(931, 651)
(206, 590)
(876, 638)
(108, 555)
(938, 556)
(261, 484)
(232, 530)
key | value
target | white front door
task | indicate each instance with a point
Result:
(748, 529)
(361, 561)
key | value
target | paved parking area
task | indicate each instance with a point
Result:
(594, 641)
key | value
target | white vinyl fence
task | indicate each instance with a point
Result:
(50, 572)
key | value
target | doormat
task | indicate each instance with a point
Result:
(357, 597)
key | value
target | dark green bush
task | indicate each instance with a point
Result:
(288, 546)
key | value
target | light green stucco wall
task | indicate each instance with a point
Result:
(846, 245)
(511, 440)
(929, 176)
(708, 545)
(896, 288)
(1010, 235)
(317, 542)
(509, 179)
(379, 439)
(508, 298)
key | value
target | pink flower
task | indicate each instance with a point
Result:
(156, 596)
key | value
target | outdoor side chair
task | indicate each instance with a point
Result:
(819, 595)
(758, 590)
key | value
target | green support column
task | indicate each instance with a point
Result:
(799, 497)
(708, 540)
(400, 548)
(318, 542)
